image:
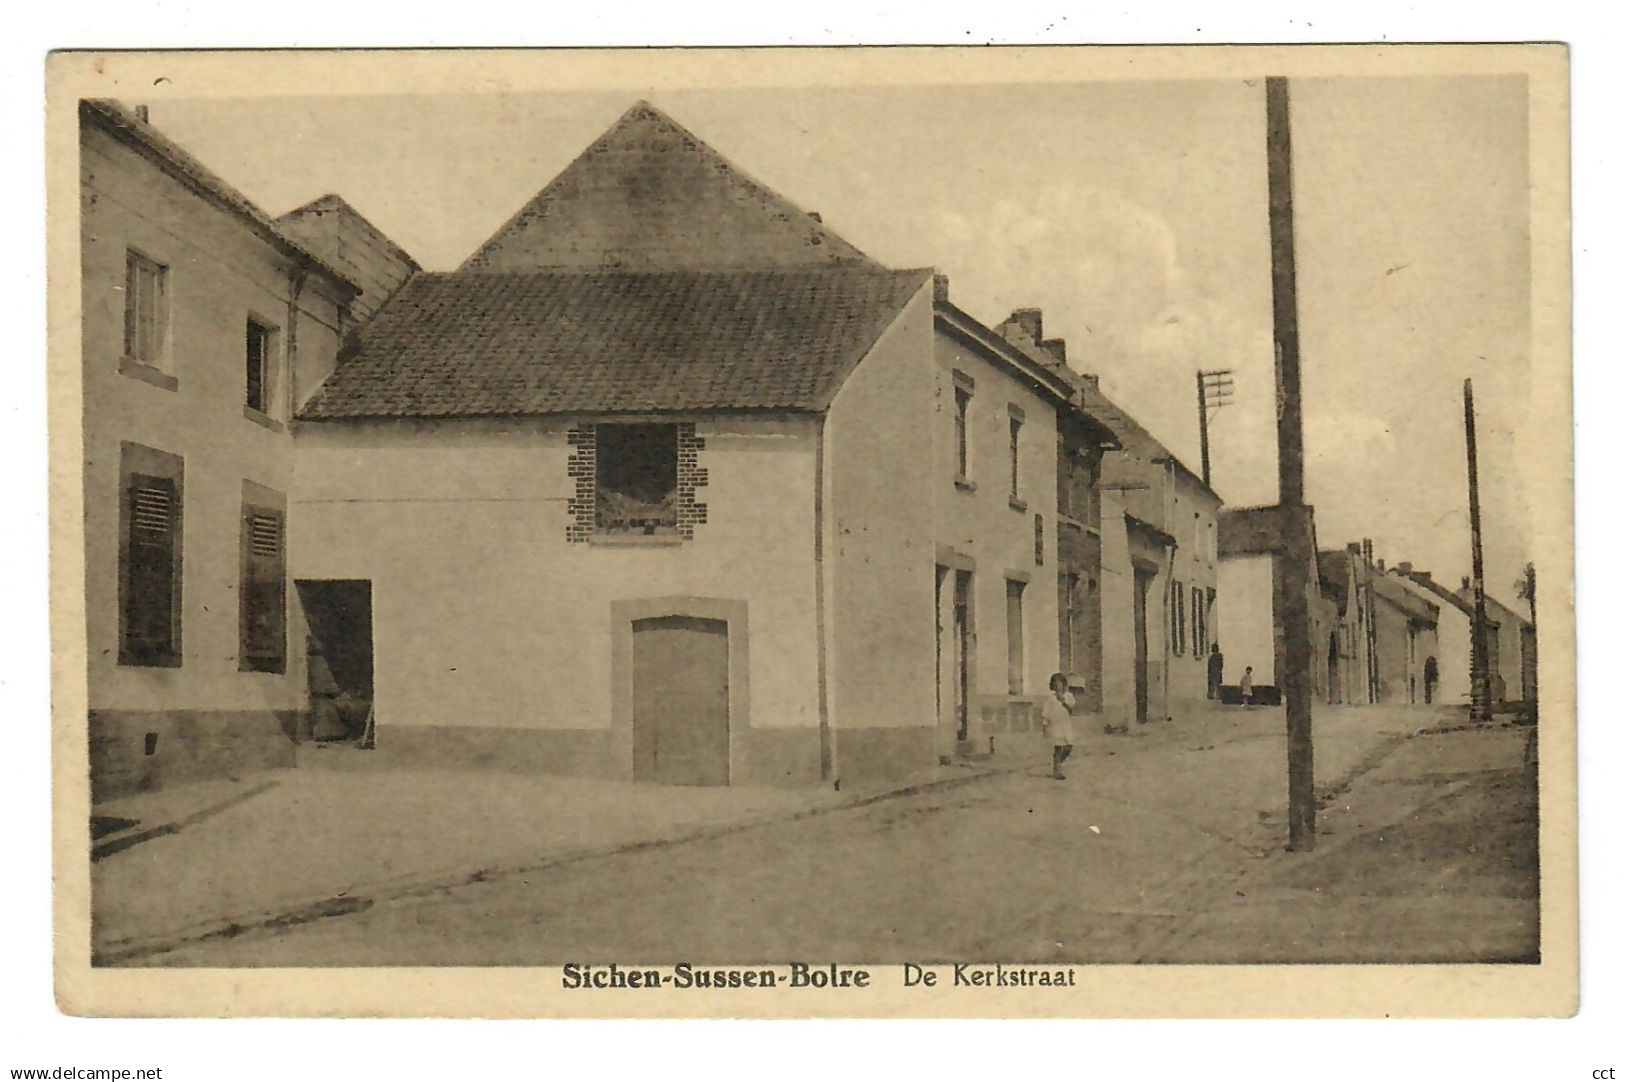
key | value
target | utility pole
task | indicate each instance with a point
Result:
(1294, 558)
(1373, 672)
(1213, 391)
(1483, 709)
(1531, 691)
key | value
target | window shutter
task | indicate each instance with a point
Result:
(149, 603)
(263, 600)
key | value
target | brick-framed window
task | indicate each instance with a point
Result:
(259, 365)
(151, 499)
(635, 479)
(262, 575)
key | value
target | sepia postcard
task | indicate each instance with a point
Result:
(906, 532)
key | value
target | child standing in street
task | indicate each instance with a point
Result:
(1056, 717)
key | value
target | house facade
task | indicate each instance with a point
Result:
(1341, 609)
(777, 511)
(666, 482)
(1161, 588)
(198, 318)
(1017, 519)
(1506, 643)
(1345, 593)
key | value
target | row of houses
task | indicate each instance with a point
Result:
(1379, 634)
(667, 481)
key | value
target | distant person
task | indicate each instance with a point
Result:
(1246, 687)
(1056, 718)
(1215, 672)
(1430, 678)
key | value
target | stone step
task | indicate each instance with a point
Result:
(336, 755)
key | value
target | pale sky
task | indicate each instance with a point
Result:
(1133, 214)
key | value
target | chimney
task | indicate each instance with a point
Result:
(1466, 584)
(1423, 577)
(1381, 567)
(1354, 547)
(1404, 568)
(1031, 322)
(815, 216)
(939, 288)
(141, 113)
(1056, 348)
(1091, 379)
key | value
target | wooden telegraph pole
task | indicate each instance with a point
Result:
(1294, 558)
(1213, 391)
(1482, 709)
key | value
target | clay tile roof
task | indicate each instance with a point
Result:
(469, 344)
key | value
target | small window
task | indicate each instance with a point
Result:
(636, 490)
(150, 587)
(1038, 540)
(263, 595)
(1018, 661)
(146, 310)
(259, 357)
(962, 432)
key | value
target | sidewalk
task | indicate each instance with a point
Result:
(286, 846)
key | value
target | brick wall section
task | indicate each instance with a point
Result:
(690, 475)
(583, 470)
(582, 467)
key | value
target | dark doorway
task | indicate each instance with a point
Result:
(962, 654)
(339, 655)
(1334, 673)
(1142, 683)
(680, 700)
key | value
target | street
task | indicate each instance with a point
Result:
(1165, 846)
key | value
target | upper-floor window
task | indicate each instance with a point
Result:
(1077, 483)
(146, 310)
(636, 478)
(962, 432)
(1016, 419)
(259, 365)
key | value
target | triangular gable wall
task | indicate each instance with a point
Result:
(649, 195)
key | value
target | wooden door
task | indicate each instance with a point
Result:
(680, 700)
